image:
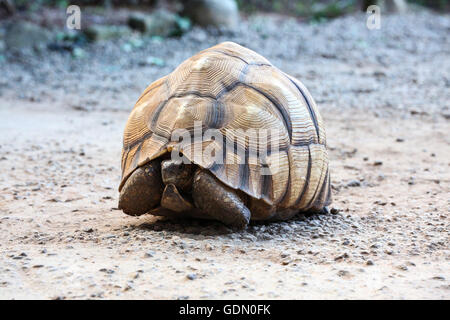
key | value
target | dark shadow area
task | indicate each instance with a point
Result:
(212, 228)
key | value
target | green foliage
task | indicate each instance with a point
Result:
(304, 8)
(435, 4)
(154, 61)
(78, 53)
(183, 24)
(35, 5)
(28, 4)
(317, 9)
(332, 10)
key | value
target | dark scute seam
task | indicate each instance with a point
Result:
(217, 115)
(310, 110)
(125, 158)
(193, 93)
(325, 192)
(162, 105)
(226, 89)
(141, 139)
(155, 115)
(321, 187)
(243, 73)
(215, 168)
(280, 108)
(284, 113)
(266, 185)
(308, 175)
(328, 196)
(244, 171)
(303, 144)
(146, 93)
(136, 157)
(243, 60)
(283, 198)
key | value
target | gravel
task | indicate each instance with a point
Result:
(340, 61)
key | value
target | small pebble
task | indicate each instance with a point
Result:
(191, 276)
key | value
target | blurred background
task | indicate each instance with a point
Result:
(125, 45)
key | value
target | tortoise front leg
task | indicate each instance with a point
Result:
(219, 201)
(142, 190)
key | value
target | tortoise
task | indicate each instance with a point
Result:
(229, 89)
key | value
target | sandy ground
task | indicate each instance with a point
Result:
(62, 237)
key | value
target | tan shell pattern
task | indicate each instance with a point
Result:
(231, 87)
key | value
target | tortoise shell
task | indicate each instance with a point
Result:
(229, 87)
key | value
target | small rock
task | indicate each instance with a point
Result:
(379, 74)
(152, 61)
(191, 276)
(215, 13)
(26, 35)
(334, 210)
(353, 183)
(161, 23)
(445, 114)
(418, 112)
(78, 52)
(343, 273)
(402, 267)
(398, 6)
(341, 257)
(129, 286)
(105, 32)
(108, 271)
